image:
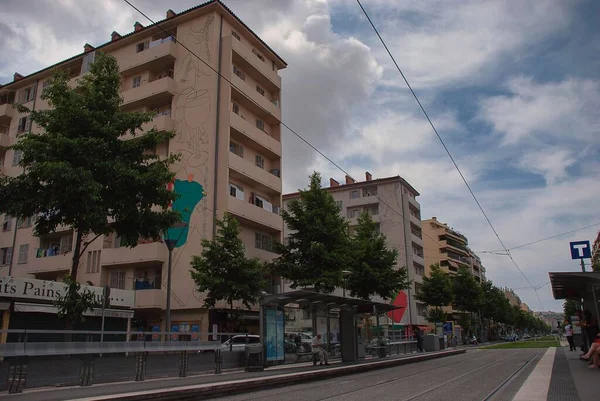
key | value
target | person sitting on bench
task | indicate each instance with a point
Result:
(317, 348)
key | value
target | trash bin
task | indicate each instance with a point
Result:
(431, 343)
(254, 358)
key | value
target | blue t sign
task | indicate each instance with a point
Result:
(580, 250)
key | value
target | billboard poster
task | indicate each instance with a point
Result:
(448, 328)
(195, 331)
(274, 334)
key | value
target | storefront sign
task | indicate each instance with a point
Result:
(43, 308)
(25, 288)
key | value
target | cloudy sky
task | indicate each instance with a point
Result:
(513, 88)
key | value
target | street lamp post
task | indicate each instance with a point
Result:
(170, 243)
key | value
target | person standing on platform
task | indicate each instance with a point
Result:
(569, 335)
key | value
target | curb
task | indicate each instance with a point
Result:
(203, 391)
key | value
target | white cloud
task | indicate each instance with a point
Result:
(551, 162)
(567, 109)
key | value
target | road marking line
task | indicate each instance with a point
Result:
(537, 384)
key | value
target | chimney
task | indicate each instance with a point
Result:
(87, 48)
(114, 36)
(349, 180)
(170, 13)
(368, 176)
(333, 183)
(137, 26)
(17, 77)
(434, 218)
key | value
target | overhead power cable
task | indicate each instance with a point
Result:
(445, 147)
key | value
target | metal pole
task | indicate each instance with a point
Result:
(168, 311)
(595, 303)
(582, 265)
(14, 242)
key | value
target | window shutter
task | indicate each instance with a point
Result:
(9, 252)
(31, 93)
(27, 123)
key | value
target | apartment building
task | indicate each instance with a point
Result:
(393, 205)
(449, 249)
(229, 138)
(596, 253)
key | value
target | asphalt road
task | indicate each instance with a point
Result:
(471, 376)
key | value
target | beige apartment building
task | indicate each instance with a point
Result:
(229, 138)
(393, 205)
(449, 248)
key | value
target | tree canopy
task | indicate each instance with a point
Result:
(319, 247)
(79, 172)
(436, 292)
(466, 291)
(223, 271)
(373, 270)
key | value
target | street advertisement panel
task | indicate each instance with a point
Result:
(274, 334)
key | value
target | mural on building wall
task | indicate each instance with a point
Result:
(401, 300)
(192, 113)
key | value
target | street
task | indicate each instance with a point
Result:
(471, 376)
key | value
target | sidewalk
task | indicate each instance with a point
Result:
(213, 385)
(586, 381)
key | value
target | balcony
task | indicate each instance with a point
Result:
(250, 132)
(254, 176)
(362, 200)
(150, 299)
(457, 236)
(5, 141)
(245, 58)
(416, 239)
(7, 112)
(267, 110)
(49, 264)
(253, 213)
(159, 56)
(418, 259)
(455, 247)
(154, 252)
(159, 91)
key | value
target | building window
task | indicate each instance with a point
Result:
(419, 270)
(263, 241)
(421, 309)
(236, 149)
(140, 47)
(353, 213)
(27, 94)
(260, 124)
(371, 191)
(235, 35)
(7, 224)
(373, 210)
(260, 90)
(45, 84)
(93, 262)
(236, 191)
(23, 253)
(354, 194)
(5, 256)
(25, 223)
(239, 73)
(117, 280)
(24, 124)
(260, 56)
(259, 161)
(137, 81)
(340, 204)
(236, 108)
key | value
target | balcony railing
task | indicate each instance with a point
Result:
(255, 134)
(265, 69)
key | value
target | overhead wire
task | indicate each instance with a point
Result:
(446, 148)
(544, 239)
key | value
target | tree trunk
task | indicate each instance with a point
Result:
(76, 256)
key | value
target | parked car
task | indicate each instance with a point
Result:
(238, 343)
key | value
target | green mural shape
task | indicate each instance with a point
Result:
(190, 193)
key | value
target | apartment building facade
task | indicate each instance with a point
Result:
(227, 133)
(393, 205)
(596, 253)
(449, 249)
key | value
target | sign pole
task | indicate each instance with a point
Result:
(582, 265)
(105, 298)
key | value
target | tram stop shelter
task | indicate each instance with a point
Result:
(350, 310)
(579, 286)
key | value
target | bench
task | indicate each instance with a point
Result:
(313, 356)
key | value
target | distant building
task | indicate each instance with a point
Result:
(449, 249)
(596, 253)
(393, 205)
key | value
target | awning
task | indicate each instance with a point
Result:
(453, 264)
(573, 285)
(43, 308)
(327, 301)
(4, 305)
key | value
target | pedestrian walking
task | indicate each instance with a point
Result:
(569, 335)
(419, 338)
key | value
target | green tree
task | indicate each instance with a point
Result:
(374, 266)
(319, 246)
(224, 272)
(466, 292)
(570, 308)
(436, 292)
(74, 302)
(78, 171)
